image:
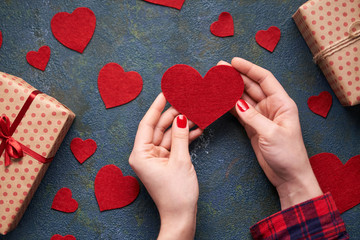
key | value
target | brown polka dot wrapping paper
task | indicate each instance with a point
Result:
(42, 129)
(331, 29)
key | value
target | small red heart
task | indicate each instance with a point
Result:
(64, 202)
(40, 58)
(224, 27)
(74, 30)
(168, 3)
(82, 150)
(113, 190)
(118, 87)
(59, 237)
(268, 39)
(202, 100)
(321, 104)
(1, 38)
(343, 181)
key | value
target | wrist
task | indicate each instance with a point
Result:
(298, 190)
(178, 226)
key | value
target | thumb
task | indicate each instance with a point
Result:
(249, 116)
(180, 138)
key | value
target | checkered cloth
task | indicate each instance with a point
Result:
(317, 218)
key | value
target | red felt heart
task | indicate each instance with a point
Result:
(224, 27)
(118, 87)
(113, 190)
(74, 30)
(64, 202)
(59, 237)
(82, 150)
(202, 100)
(168, 3)
(321, 104)
(342, 181)
(268, 39)
(40, 58)
(1, 38)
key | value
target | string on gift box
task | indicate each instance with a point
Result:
(353, 37)
(14, 149)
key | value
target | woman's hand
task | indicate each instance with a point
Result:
(161, 160)
(271, 120)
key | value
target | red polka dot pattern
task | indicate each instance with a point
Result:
(323, 23)
(42, 129)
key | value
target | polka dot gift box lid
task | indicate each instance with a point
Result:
(39, 132)
(331, 29)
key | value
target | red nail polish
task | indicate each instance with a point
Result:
(242, 105)
(181, 121)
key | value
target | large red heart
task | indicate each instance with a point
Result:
(168, 3)
(59, 237)
(224, 27)
(321, 104)
(118, 87)
(113, 190)
(74, 30)
(202, 100)
(64, 202)
(40, 58)
(268, 39)
(343, 181)
(82, 150)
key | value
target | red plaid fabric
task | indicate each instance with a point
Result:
(317, 218)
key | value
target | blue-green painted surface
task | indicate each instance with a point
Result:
(142, 37)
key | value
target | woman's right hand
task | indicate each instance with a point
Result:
(271, 120)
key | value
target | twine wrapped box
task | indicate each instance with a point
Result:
(32, 127)
(331, 29)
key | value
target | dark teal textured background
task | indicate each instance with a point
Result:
(142, 37)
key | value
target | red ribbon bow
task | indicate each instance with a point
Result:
(12, 147)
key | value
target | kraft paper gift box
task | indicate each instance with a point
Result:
(34, 124)
(331, 29)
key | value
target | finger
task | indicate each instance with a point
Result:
(253, 89)
(146, 127)
(164, 123)
(221, 62)
(194, 134)
(248, 99)
(180, 139)
(263, 77)
(250, 117)
(166, 141)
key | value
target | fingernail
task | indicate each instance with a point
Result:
(242, 105)
(181, 121)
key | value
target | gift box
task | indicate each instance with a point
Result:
(331, 29)
(32, 127)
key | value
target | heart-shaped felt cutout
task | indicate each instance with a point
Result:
(1, 38)
(64, 202)
(74, 30)
(202, 100)
(343, 181)
(40, 58)
(224, 27)
(168, 3)
(118, 87)
(321, 104)
(113, 190)
(59, 237)
(82, 150)
(268, 39)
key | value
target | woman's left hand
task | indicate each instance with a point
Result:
(161, 160)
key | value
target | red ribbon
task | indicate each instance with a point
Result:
(14, 149)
